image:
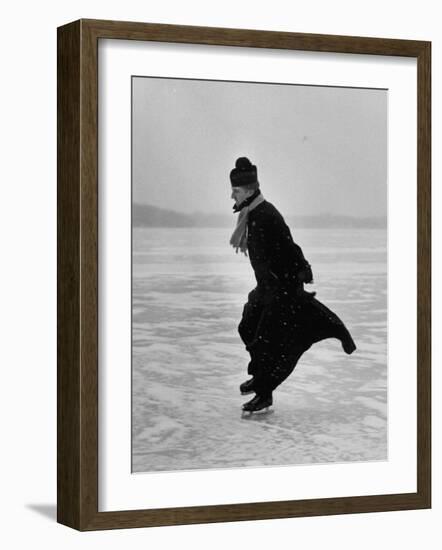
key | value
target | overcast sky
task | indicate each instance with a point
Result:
(317, 149)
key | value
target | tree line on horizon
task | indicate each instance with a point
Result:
(145, 215)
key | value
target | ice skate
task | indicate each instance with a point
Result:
(246, 387)
(258, 404)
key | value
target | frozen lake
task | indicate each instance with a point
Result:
(189, 288)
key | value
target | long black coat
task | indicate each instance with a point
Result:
(280, 319)
(276, 259)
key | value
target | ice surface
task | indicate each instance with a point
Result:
(189, 288)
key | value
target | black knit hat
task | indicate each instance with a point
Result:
(244, 173)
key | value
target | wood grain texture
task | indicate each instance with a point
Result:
(258, 510)
(424, 274)
(252, 38)
(68, 276)
(89, 277)
(77, 222)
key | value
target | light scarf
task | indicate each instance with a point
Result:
(239, 236)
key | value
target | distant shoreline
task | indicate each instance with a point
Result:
(144, 215)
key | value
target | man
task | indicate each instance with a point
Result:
(280, 320)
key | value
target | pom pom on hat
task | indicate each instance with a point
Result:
(243, 163)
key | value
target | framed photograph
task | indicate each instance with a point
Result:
(243, 275)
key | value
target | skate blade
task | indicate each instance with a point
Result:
(265, 410)
(247, 392)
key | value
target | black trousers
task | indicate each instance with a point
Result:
(277, 327)
(266, 329)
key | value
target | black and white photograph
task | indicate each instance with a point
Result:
(259, 274)
(221, 250)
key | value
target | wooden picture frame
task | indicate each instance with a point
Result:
(77, 224)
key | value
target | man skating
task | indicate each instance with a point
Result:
(280, 320)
